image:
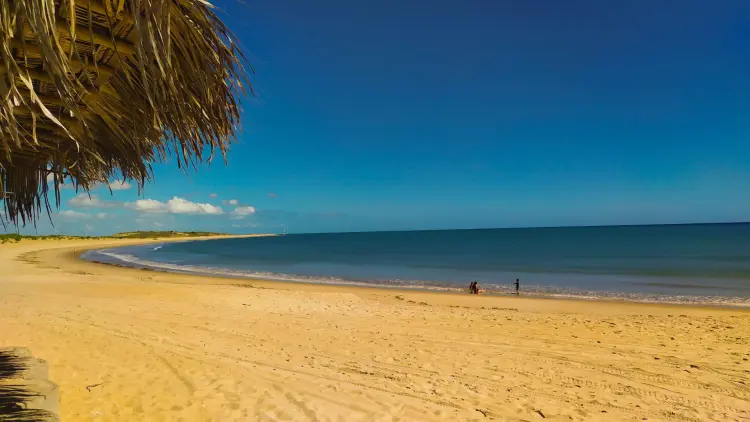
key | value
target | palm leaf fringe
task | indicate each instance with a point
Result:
(96, 89)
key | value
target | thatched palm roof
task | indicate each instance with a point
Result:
(95, 89)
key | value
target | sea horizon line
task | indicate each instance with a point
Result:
(723, 223)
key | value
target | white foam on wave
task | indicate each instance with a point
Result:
(491, 289)
(259, 275)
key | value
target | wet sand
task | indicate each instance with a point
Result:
(128, 344)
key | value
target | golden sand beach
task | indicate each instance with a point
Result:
(135, 345)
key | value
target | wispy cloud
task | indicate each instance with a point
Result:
(76, 215)
(272, 195)
(67, 184)
(83, 200)
(230, 202)
(245, 225)
(114, 186)
(119, 186)
(213, 195)
(242, 212)
(176, 205)
(73, 215)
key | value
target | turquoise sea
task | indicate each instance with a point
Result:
(701, 263)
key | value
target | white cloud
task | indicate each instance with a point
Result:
(83, 200)
(242, 212)
(158, 224)
(230, 202)
(73, 215)
(272, 195)
(148, 205)
(120, 185)
(51, 179)
(183, 206)
(175, 205)
(213, 195)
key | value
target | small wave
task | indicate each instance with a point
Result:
(259, 275)
(157, 248)
(487, 288)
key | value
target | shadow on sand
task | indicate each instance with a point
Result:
(16, 393)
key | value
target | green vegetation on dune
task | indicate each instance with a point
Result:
(6, 238)
(13, 237)
(151, 234)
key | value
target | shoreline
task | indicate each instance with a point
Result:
(280, 283)
(127, 344)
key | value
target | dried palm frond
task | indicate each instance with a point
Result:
(92, 89)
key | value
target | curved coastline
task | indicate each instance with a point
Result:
(228, 276)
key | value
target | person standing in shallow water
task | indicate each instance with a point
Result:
(473, 288)
(517, 284)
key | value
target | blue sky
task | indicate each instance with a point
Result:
(391, 115)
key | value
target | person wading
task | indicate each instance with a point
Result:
(473, 288)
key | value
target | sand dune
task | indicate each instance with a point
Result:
(130, 345)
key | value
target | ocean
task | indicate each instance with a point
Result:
(700, 264)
